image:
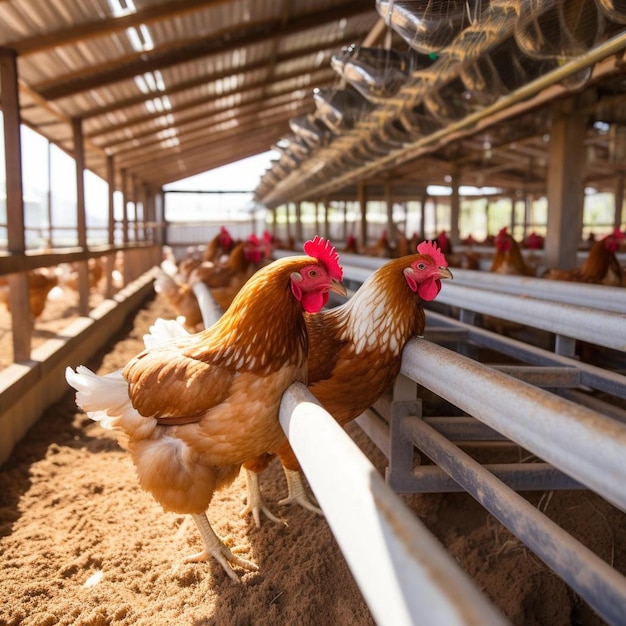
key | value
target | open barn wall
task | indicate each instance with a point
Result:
(27, 389)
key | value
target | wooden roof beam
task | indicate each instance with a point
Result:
(177, 52)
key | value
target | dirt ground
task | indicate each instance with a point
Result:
(82, 545)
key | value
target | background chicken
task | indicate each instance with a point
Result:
(192, 409)
(220, 245)
(600, 267)
(225, 280)
(95, 272)
(465, 259)
(40, 283)
(507, 258)
(355, 352)
(182, 299)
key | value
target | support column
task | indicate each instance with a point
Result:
(565, 185)
(455, 207)
(288, 222)
(326, 223)
(512, 224)
(18, 283)
(619, 200)
(391, 226)
(362, 200)
(81, 217)
(424, 201)
(299, 234)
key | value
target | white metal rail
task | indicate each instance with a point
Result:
(404, 573)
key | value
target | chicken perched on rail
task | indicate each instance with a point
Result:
(193, 408)
(40, 283)
(69, 274)
(508, 258)
(352, 245)
(465, 259)
(179, 294)
(355, 352)
(220, 245)
(600, 267)
(226, 279)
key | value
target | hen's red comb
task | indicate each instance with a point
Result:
(323, 251)
(430, 248)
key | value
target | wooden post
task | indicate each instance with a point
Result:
(455, 207)
(424, 200)
(18, 283)
(391, 225)
(299, 234)
(50, 238)
(288, 220)
(619, 200)
(362, 200)
(125, 238)
(81, 217)
(565, 185)
(110, 258)
(325, 204)
(512, 223)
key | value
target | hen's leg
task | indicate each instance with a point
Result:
(213, 546)
(297, 492)
(255, 503)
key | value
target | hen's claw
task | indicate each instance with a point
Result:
(297, 493)
(255, 503)
(214, 547)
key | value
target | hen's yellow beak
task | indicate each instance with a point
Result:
(337, 287)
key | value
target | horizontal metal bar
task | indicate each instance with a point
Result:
(595, 326)
(591, 375)
(595, 404)
(211, 311)
(464, 429)
(445, 335)
(376, 429)
(517, 476)
(542, 376)
(596, 581)
(404, 573)
(582, 443)
(592, 296)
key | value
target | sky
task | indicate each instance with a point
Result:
(242, 175)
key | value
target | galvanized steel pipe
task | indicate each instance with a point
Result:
(584, 444)
(596, 581)
(404, 573)
(595, 326)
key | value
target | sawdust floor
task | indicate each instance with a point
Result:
(82, 545)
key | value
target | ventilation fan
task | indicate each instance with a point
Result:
(340, 107)
(429, 25)
(564, 30)
(375, 73)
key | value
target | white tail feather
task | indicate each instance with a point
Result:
(105, 400)
(162, 331)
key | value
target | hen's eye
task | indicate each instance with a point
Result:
(421, 266)
(312, 273)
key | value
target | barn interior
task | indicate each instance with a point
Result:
(361, 102)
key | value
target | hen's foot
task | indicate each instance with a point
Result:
(255, 503)
(214, 547)
(297, 492)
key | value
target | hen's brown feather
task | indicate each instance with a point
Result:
(600, 267)
(355, 350)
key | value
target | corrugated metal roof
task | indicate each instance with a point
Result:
(173, 88)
